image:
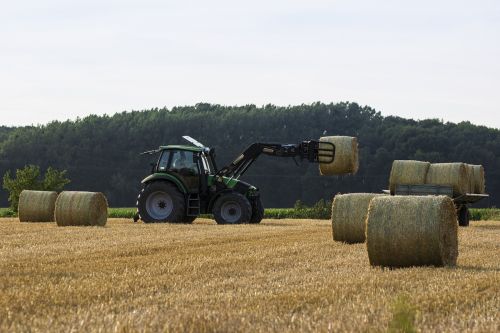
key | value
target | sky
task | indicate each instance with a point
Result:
(62, 59)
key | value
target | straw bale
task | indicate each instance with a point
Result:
(450, 174)
(470, 177)
(346, 156)
(349, 213)
(407, 173)
(81, 209)
(405, 231)
(37, 206)
(478, 176)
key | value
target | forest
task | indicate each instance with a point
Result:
(101, 153)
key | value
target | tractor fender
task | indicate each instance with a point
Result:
(165, 177)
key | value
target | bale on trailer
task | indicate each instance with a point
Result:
(37, 206)
(470, 176)
(346, 156)
(81, 209)
(403, 231)
(478, 176)
(449, 174)
(349, 213)
(407, 172)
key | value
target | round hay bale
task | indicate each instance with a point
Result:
(81, 209)
(470, 176)
(479, 182)
(405, 231)
(36, 206)
(349, 213)
(407, 173)
(346, 156)
(449, 174)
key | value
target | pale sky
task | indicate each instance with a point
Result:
(60, 59)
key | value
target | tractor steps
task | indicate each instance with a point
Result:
(193, 205)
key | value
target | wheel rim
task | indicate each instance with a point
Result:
(159, 205)
(231, 211)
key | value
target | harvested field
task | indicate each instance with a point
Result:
(286, 275)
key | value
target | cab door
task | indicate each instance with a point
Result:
(182, 164)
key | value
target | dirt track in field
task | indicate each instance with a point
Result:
(281, 275)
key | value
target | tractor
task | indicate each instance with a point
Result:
(185, 182)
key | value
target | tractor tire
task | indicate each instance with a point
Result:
(161, 202)
(232, 208)
(257, 211)
(463, 216)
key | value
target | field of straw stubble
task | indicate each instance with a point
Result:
(282, 275)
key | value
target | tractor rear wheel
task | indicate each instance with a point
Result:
(257, 211)
(161, 202)
(232, 208)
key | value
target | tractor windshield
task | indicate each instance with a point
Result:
(178, 161)
(183, 160)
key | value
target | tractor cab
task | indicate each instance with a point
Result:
(187, 164)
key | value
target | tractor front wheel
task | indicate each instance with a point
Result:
(257, 211)
(161, 202)
(232, 208)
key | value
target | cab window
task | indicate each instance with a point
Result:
(163, 162)
(183, 161)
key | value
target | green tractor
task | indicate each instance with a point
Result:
(185, 182)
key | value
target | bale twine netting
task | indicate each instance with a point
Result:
(349, 213)
(403, 231)
(407, 173)
(449, 174)
(81, 209)
(346, 156)
(478, 179)
(37, 206)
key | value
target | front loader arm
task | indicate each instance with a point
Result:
(308, 150)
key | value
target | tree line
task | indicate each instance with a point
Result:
(101, 153)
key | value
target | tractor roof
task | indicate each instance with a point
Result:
(182, 147)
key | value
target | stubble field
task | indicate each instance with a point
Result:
(281, 275)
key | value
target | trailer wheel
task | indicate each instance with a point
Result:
(161, 202)
(463, 216)
(232, 208)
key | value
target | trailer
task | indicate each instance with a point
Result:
(461, 201)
